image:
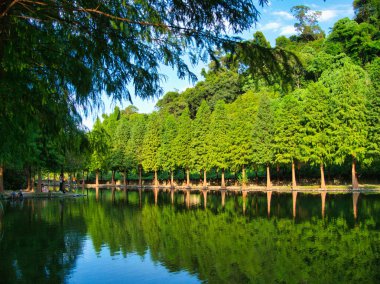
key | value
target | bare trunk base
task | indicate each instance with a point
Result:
(187, 177)
(294, 182)
(269, 184)
(355, 182)
(1, 178)
(323, 183)
(223, 183)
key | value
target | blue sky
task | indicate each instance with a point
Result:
(275, 20)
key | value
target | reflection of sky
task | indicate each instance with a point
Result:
(275, 20)
(104, 268)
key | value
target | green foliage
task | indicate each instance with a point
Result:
(152, 143)
(263, 133)
(359, 41)
(348, 86)
(183, 140)
(288, 132)
(200, 144)
(241, 114)
(98, 139)
(318, 125)
(167, 151)
(218, 137)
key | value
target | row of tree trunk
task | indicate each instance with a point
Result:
(30, 179)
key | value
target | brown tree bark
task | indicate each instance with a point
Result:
(223, 183)
(113, 177)
(54, 180)
(243, 184)
(28, 173)
(125, 179)
(323, 183)
(204, 178)
(39, 182)
(269, 184)
(187, 177)
(82, 182)
(171, 179)
(355, 182)
(155, 178)
(140, 176)
(294, 182)
(1, 178)
(97, 178)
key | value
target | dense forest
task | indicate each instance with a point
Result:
(310, 104)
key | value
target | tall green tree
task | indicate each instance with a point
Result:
(263, 136)
(183, 142)
(288, 131)
(219, 140)
(317, 145)
(307, 25)
(200, 146)
(151, 145)
(98, 139)
(348, 84)
(167, 150)
(242, 114)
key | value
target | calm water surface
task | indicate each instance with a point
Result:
(155, 237)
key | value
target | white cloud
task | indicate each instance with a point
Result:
(328, 15)
(288, 30)
(283, 14)
(273, 26)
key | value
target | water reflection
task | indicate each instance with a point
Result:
(247, 237)
(355, 197)
(269, 198)
(323, 198)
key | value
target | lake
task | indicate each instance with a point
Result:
(176, 237)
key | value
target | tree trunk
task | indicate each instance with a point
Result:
(204, 178)
(28, 178)
(278, 173)
(294, 182)
(355, 197)
(1, 178)
(155, 178)
(113, 177)
(323, 197)
(355, 182)
(256, 175)
(294, 195)
(323, 183)
(171, 179)
(82, 182)
(223, 184)
(54, 180)
(187, 177)
(125, 179)
(140, 176)
(269, 198)
(269, 184)
(243, 183)
(39, 182)
(97, 178)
